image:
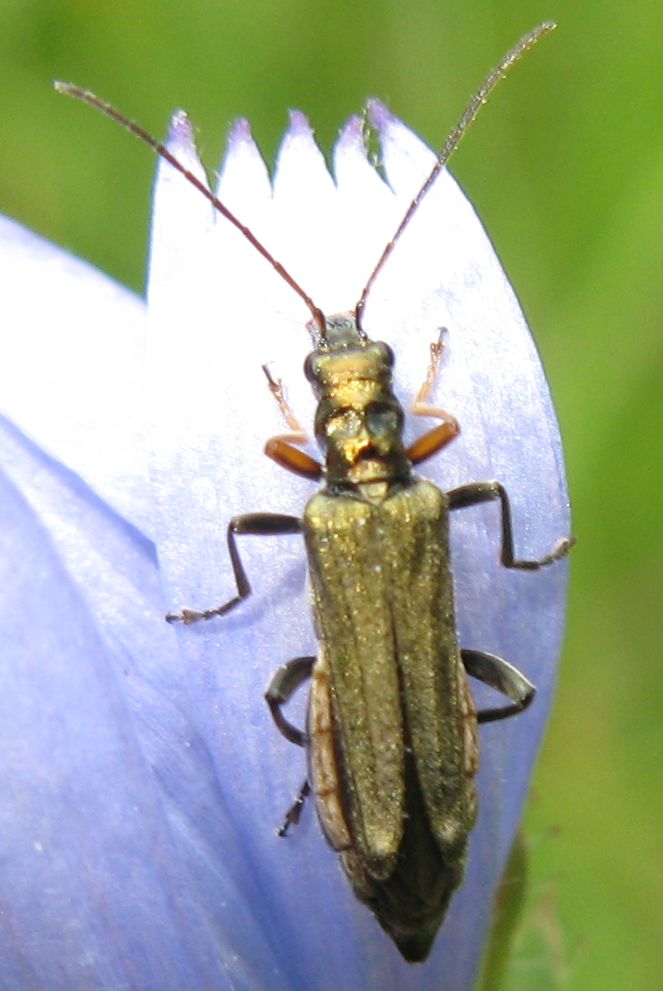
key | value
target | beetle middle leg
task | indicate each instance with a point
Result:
(497, 673)
(285, 682)
(478, 492)
(254, 524)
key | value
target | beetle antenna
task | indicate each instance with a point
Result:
(86, 96)
(451, 144)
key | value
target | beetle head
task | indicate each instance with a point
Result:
(359, 420)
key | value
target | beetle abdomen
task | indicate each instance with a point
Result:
(410, 905)
(410, 902)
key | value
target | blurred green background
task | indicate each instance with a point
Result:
(566, 170)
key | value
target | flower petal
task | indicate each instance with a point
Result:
(97, 889)
(218, 312)
(72, 370)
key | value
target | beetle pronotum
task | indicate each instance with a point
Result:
(391, 728)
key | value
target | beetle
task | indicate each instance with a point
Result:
(391, 733)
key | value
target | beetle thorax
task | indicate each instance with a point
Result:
(359, 420)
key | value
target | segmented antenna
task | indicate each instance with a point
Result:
(450, 146)
(86, 96)
(452, 142)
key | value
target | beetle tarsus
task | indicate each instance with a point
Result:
(293, 814)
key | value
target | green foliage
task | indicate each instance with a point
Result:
(565, 168)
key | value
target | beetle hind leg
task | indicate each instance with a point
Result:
(497, 673)
(285, 682)
(293, 814)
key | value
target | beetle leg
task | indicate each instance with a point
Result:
(278, 391)
(433, 440)
(254, 524)
(499, 674)
(284, 448)
(293, 814)
(478, 492)
(280, 690)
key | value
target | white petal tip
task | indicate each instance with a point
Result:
(299, 125)
(352, 134)
(181, 135)
(240, 133)
(379, 114)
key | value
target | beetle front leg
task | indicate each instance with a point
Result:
(284, 449)
(254, 524)
(280, 690)
(497, 673)
(433, 440)
(478, 492)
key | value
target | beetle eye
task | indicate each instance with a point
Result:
(388, 354)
